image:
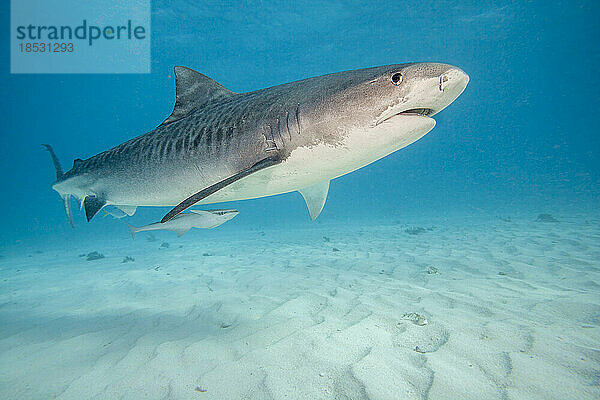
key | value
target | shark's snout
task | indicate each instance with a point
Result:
(450, 84)
(435, 86)
(455, 80)
(430, 87)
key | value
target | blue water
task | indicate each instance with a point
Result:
(521, 137)
(521, 140)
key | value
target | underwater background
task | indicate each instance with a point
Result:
(522, 140)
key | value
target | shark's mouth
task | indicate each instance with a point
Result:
(419, 112)
(426, 112)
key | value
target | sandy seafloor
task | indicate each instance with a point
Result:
(315, 313)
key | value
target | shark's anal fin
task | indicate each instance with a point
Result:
(193, 199)
(315, 197)
(92, 205)
(193, 90)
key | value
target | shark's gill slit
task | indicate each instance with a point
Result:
(268, 134)
(298, 118)
(279, 132)
(287, 124)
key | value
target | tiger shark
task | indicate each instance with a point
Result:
(219, 146)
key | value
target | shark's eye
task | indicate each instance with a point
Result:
(397, 78)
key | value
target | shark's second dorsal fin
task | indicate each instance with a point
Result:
(193, 90)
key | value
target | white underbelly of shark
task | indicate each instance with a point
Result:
(327, 161)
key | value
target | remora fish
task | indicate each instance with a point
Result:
(183, 222)
(221, 146)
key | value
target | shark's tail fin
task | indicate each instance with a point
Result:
(59, 173)
(132, 229)
(57, 166)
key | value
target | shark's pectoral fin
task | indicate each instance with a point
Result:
(193, 199)
(315, 197)
(129, 210)
(92, 205)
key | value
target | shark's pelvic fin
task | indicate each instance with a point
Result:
(92, 205)
(193, 90)
(193, 199)
(315, 197)
(129, 210)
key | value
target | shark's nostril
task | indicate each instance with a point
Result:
(443, 80)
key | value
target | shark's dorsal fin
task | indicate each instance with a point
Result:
(193, 90)
(315, 197)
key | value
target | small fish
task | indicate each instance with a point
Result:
(183, 222)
